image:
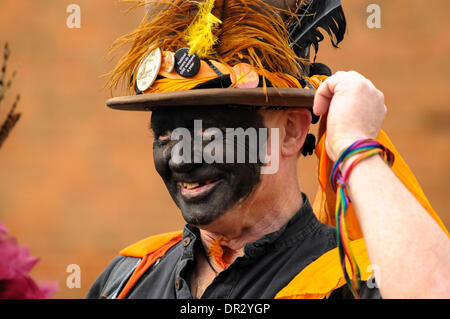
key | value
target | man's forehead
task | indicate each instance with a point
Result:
(209, 115)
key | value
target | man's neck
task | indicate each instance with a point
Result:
(245, 225)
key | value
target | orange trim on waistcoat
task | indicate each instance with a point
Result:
(324, 275)
(149, 245)
(155, 247)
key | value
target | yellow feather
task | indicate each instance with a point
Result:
(200, 34)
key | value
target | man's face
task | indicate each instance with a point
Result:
(203, 191)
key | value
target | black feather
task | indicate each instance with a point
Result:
(327, 15)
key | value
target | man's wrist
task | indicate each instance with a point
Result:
(339, 146)
(359, 151)
(346, 164)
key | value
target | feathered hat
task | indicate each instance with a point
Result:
(225, 52)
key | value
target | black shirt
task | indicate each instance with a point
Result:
(266, 267)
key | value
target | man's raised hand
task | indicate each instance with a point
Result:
(355, 107)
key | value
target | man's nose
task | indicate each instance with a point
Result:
(187, 162)
(180, 166)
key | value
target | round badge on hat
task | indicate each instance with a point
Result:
(244, 76)
(187, 65)
(168, 62)
(148, 70)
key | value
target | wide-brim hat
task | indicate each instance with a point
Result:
(206, 42)
(269, 97)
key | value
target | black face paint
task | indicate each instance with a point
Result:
(222, 185)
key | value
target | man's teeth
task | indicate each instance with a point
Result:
(191, 185)
(195, 185)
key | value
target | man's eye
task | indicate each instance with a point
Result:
(164, 137)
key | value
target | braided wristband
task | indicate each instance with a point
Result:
(364, 149)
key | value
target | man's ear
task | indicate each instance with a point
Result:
(296, 127)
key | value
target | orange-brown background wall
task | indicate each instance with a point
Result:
(77, 181)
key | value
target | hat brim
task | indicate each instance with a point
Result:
(269, 97)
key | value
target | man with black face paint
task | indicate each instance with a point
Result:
(255, 235)
(204, 192)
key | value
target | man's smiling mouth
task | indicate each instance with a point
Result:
(197, 190)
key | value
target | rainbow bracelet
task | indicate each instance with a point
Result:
(364, 149)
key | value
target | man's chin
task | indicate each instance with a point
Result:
(210, 203)
(201, 214)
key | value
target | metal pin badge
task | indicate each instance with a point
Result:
(168, 62)
(244, 76)
(187, 65)
(148, 70)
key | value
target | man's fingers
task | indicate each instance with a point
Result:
(322, 100)
(329, 88)
(324, 94)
